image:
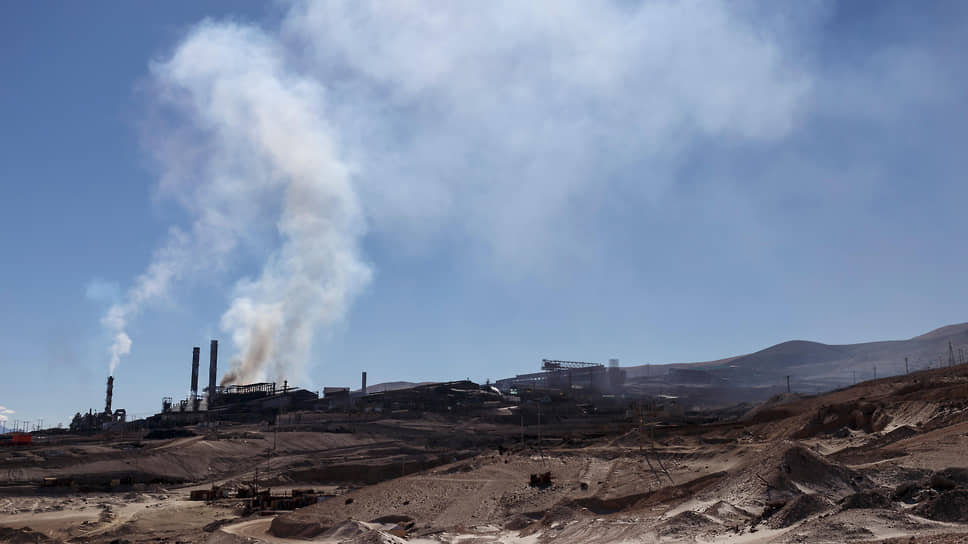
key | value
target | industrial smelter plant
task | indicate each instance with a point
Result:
(567, 381)
(100, 420)
(244, 402)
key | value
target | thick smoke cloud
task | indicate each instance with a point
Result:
(501, 122)
(490, 122)
(233, 83)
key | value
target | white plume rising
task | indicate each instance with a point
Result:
(267, 158)
(486, 126)
(236, 88)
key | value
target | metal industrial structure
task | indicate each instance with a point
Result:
(196, 353)
(234, 402)
(567, 376)
(560, 382)
(108, 395)
(92, 421)
(212, 370)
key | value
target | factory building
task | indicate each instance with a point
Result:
(568, 376)
(96, 421)
(236, 402)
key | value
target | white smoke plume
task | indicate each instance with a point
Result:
(168, 264)
(268, 158)
(233, 83)
(493, 122)
(4, 412)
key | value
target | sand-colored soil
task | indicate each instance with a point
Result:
(882, 461)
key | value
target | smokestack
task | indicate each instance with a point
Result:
(195, 354)
(110, 393)
(212, 370)
(364, 382)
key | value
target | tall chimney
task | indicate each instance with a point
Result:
(212, 370)
(364, 382)
(195, 354)
(110, 393)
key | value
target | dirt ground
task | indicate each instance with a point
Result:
(881, 461)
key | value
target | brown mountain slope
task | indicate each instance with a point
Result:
(819, 366)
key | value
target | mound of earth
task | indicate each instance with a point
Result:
(728, 513)
(950, 506)
(665, 495)
(289, 527)
(798, 510)
(687, 522)
(812, 470)
(24, 535)
(867, 499)
(866, 416)
(949, 478)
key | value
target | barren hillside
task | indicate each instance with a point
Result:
(817, 367)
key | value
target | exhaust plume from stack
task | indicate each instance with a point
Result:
(267, 137)
(269, 163)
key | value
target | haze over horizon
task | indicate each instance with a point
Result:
(458, 191)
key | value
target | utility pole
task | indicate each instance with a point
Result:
(539, 428)
(788, 384)
(951, 355)
(905, 365)
(855, 377)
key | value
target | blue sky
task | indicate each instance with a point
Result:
(654, 182)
